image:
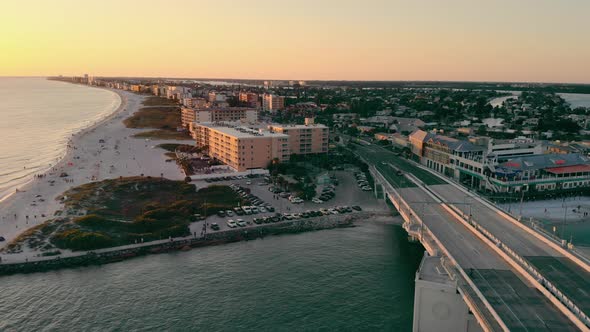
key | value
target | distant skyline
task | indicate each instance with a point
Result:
(386, 40)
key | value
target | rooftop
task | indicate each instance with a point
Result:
(239, 131)
(299, 126)
(549, 161)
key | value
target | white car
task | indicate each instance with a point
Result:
(241, 222)
(248, 182)
(317, 200)
(231, 224)
(229, 213)
(262, 209)
(366, 188)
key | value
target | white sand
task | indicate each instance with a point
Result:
(87, 158)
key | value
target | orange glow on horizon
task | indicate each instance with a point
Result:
(491, 40)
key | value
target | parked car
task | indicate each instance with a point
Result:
(356, 207)
(214, 226)
(241, 222)
(229, 213)
(231, 224)
(221, 213)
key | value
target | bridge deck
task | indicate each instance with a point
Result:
(570, 278)
(518, 303)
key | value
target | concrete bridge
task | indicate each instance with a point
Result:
(483, 269)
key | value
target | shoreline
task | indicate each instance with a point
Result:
(117, 254)
(106, 149)
(23, 186)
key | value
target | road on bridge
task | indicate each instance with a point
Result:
(520, 305)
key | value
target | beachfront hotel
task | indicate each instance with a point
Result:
(240, 147)
(304, 139)
(218, 114)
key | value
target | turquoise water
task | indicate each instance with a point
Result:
(358, 278)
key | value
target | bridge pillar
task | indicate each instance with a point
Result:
(379, 191)
(438, 306)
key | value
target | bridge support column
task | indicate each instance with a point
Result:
(379, 191)
(437, 304)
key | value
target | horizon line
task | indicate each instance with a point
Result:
(306, 80)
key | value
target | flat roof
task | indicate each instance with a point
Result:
(299, 126)
(569, 169)
(241, 131)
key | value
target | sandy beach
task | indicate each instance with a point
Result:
(102, 151)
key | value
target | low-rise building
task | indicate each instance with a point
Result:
(249, 98)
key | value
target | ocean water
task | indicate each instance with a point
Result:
(351, 279)
(37, 117)
(576, 99)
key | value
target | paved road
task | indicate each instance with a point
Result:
(519, 304)
(571, 279)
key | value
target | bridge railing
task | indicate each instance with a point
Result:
(540, 231)
(521, 261)
(529, 268)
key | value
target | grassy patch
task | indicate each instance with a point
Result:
(166, 118)
(122, 211)
(131, 197)
(169, 146)
(159, 101)
(163, 134)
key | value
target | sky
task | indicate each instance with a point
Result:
(442, 40)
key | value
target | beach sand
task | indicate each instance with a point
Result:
(88, 158)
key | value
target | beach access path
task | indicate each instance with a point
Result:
(105, 150)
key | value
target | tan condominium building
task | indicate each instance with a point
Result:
(240, 147)
(249, 98)
(218, 114)
(304, 139)
(272, 102)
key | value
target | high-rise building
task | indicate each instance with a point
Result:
(271, 102)
(240, 147)
(304, 139)
(218, 114)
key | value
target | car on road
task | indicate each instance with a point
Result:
(231, 224)
(214, 226)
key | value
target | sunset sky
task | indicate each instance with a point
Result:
(476, 40)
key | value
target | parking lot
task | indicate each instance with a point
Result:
(347, 194)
